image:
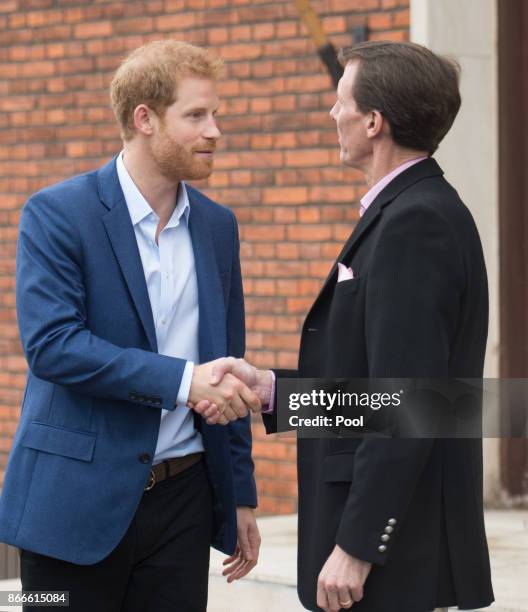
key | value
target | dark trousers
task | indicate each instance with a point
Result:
(160, 565)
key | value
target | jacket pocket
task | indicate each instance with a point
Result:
(339, 467)
(347, 287)
(57, 440)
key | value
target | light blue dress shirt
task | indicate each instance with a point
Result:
(172, 287)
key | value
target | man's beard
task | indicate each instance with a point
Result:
(177, 163)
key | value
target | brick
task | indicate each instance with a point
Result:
(93, 30)
(263, 31)
(240, 33)
(8, 5)
(285, 195)
(168, 23)
(249, 159)
(262, 215)
(266, 306)
(380, 21)
(309, 215)
(287, 360)
(264, 287)
(287, 29)
(286, 140)
(252, 268)
(262, 69)
(262, 233)
(334, 23)
(261, 105)
(262, 87)
(285, 215)
(265, 250)
(401, 19)
(332, 193)
(242, 51)
(320, 269)
(31, 69)
(284, 103)
(313, 157)
(287, 250)
(264, 323)
(286, 288)
(217, 36)
(391, 35)
(359, 5)
(289, 323)
(286, 269)
(316, 82)
(241, 177)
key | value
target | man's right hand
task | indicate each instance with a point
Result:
(231, 396)
(260, 382)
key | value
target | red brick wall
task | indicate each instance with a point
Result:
(278, 167)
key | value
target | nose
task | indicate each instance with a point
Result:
(333, 111)
(212, 131)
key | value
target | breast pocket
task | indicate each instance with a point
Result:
(347, 287)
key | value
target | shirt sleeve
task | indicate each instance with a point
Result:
(185, 385)
(270, 408)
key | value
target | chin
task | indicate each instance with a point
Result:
(199, 174)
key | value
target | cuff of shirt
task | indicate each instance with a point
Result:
(185, 384)
(271, 406)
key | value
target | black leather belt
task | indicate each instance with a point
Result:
(171, 467)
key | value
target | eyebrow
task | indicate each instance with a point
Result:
(195, 109)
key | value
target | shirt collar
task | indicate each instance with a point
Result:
(139, 208)
(371, 194)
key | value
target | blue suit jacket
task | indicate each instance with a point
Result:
(96, 384)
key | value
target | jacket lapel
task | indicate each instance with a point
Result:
(121, 235)
(212, 326)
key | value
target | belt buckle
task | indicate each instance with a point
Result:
(151, 481)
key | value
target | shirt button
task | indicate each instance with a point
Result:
(144, 458)
(163, 321)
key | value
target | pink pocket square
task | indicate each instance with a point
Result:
(344, 273)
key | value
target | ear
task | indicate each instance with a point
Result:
(375, 123)
(144, 119)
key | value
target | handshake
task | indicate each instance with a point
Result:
(226, 389)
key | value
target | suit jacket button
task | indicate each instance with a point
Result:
(392, 522)
(144, 458)
(382, 548)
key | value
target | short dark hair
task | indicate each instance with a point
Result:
(416, 90)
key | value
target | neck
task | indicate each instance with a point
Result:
(159, 191)
(386, 159)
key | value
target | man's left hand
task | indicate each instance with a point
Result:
(248, 546)
(341, 581)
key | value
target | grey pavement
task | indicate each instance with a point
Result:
(271, 585)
